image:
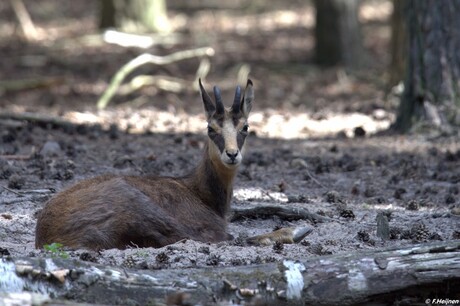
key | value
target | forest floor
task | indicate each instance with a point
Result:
(316, 141)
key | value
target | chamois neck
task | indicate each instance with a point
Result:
(212, 182)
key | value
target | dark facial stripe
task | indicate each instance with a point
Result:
(240, 139)
(218, 140)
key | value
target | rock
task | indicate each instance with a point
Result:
(450, 199)
(51, 149)
(299, 163)
(383, 227)
(398, 194)
(298, 198)
(359, 132)
(370, 192)
(334, 197)
(413, 205)
(455, 210)
(347, 214)
(6, 170)
(16, 181)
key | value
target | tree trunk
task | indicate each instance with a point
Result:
(134, 16)
(409, 275)
(432, 83)
(337, 33)
(398, 44)
(107, 14)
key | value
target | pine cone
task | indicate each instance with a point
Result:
(129, 262)
(419, 232)
(347, 214)
(396, 233)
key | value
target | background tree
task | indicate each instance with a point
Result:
(337, 33)
(398, 44)
(134, 16)
(432, 83)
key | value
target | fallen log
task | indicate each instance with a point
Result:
(283, 212)
(411, 274)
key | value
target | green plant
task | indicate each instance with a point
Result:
(142, 253)
(56, 250)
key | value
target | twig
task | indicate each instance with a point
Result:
(17, 85)
(16, 157)
(34, 117)
(38, 199)
(12, 191)
(14, 201)
(129, 40)
(313, 178)
(163, 82)
(266, 193)
(38, 191)
(243, 73)
(202, 71)
(27, 26)
(143, 59)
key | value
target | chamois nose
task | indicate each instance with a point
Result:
(232, 154)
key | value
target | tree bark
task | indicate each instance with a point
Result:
(411, 274)
(107, 14)
(398, 44)
(432, 83)
(337, 33)
(134, 16)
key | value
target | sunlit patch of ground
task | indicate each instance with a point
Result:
(269, 123)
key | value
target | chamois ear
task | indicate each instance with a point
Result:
(248, 97)
(209, 107)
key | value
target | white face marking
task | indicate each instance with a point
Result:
(231, 156)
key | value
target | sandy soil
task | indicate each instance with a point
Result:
(414, 180)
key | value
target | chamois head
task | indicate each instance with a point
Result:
(227, 128)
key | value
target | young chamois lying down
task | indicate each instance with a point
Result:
(120, 211)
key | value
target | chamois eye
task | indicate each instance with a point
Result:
(245, 128)
(210, 130)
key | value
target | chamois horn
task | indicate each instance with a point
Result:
(237, 100)
(219, 104)
(207, 101)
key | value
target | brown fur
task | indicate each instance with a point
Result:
(118, 211)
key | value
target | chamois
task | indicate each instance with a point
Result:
(113, 211)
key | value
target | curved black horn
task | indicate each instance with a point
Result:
(208, 104)
(237, 100)
(219, 104)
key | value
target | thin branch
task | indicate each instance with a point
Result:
(144, 59)
(163, 82)
(16, 157)
(34, 117)
(12, 191)
(27, 26)
(314, 179)
(34, 83)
